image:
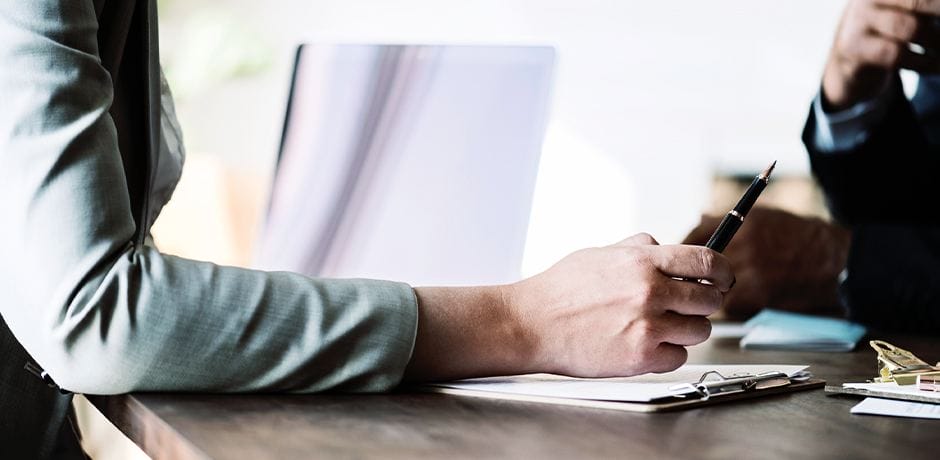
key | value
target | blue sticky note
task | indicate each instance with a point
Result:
(780, 330)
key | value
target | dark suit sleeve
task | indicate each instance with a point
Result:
(893, 280)
(890, 178)
(885, 191)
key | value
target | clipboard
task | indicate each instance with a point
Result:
(901, 376)
(711, 388)
(842, 391)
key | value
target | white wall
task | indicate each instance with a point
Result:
(652, 97)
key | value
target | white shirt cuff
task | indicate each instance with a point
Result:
(844, 131)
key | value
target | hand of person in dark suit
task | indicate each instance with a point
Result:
(873, 41)
(782, 261)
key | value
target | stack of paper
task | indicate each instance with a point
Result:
(894, 400)
(626, 393)
(892, 390)
(778, 330)
(895, 408)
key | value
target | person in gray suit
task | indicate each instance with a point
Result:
(90, 152)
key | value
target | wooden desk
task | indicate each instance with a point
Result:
(799, 425)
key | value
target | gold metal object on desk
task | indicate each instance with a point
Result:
(901, 366)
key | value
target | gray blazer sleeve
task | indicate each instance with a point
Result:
(104, 315)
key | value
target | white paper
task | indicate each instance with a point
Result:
(643, 388)
(894, 388)
(894, 408)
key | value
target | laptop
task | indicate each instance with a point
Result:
(411, 163)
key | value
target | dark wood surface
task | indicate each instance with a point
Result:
(808, 424)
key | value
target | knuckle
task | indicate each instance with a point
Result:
(638, 258)
(890, 53)
(648, 292)
(709, 260)
(647, 332)
(668, 359)
(704, 331)
(679, 358)
(714, 300)
(651, 356)
(645, 295)
(645, 238)
(905, 26)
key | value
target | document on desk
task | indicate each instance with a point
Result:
(889, 390)
(557, 389)
(894, 408)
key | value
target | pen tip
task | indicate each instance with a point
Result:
(766, 174)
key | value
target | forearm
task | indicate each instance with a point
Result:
(104, 314)
(468, 332)
(150, 322)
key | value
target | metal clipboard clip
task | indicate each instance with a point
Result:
(900, 366)
(712, 383)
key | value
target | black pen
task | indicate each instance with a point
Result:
(735, 217)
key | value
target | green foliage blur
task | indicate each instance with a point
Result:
(207, 43)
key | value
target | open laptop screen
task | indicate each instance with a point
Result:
(410, 163)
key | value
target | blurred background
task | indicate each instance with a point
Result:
(657, 108)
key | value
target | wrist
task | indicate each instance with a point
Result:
(466, 332)
(520, 335)
(847, 83)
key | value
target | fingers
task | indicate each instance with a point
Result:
(887, 43)
(685, 330)
(668, 357)
(875, 39)
(688, 298)
(678, 332)
(663, 339)
(685, 297)
(693, 262)
(928, 7)
(889, 31)
(903, 27)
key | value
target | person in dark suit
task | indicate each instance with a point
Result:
(876, 154)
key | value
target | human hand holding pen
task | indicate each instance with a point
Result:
(609, 311)
(619, 310)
